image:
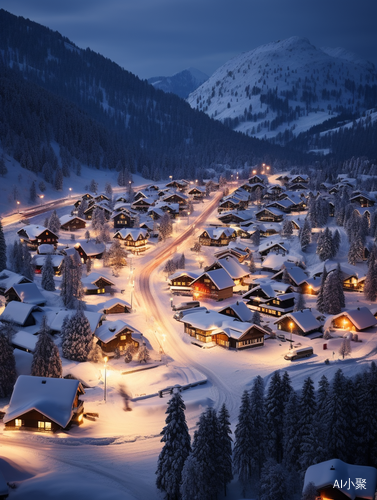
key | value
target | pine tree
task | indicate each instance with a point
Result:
(340, 427)
(3, 168)
(332, 294)
(66, 282)
(58, 182)
(242, 453)
(299, 302)
(307, 409)
(46, 358)
(54, 223)
(33, 192)
(325, 249)
(320, 297)
(117, 255)
(274, 481)
(77, 340)
(3, 250)
(291, 439)
(258, 425)
(345, 348)
(252, 266)
(82, 208)
(225, 446)
(48, 275)
(176, 449)
(8, 374)
(370, 285)
(143, 354)
(335, 242)
(356, 250)
(310, 492)
(93, 186)
(306, 235)
(287, 228)
(27, 268)
(274, 407)
(191, 479)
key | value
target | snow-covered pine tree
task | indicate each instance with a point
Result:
(225, 447)
(108, 190)
(54, 223)
(325, 247)
(320, 297)
(242, 453)
(252, 266)
(370, 285)
(310, 492)
(166, 227)
(339, 282)
(307, 437)
(291, 440)
(176, 449)
(8, 374)
(287, 230)
(335, 243)
(305, 235)
(356, 251)
(258, 426)
(255, 239)
(33, 192)
(117, 255)
(256, 319)
(274, 407)
(274, 481)
(322, 419)
(345, 348)
(331, 297)
(143, 355)
(81, 209)
(3, 250)
(299, 302)
(48, 282)
(340, 428)
(93, 186)
(77, 340)
(58, 181)
(66, 282)
(191, 474)
(27, 268)
(182, 262)
(46, 359)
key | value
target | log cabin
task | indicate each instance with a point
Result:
(236, 271)
(355, 320)
(27, 293)
(299, 322)
(90, 250)
(180, 282)
(95, 284)
(9, 278)
(197, 192)
(238, 310)
(113, 335)
(101, 206)
(34, 236)
(116, 306)
(217, 285)
(265, 299)
(71, 223)
(269, 214)
(363, 200)
(122, 219)
(219, 236)
(134, 239)
(44, 404)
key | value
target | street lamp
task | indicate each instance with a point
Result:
(291, 326)
(171, 302)
(104, 391)
(254, 172)
(18, 206)
(41, 196)
(188, 218)
(70, 192)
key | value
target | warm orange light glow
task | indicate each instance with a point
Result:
(105, 359)
(254, 172)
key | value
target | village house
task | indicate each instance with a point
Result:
(24, 341)
(197, 192)
(217, 236)
(19, 313)
(34, 236)
(179, 198)
(180, 282)
(122, 219)
(272, 246)
(143, 204)
(355, 320)
(71, 223)
(217, 285)
(258, 179)
(269, 214)
(56, 316)
(179, 185)
(265, 299)
(335, 479)
(268, 229)
(226, 331)
(240, 253)
(38, 262)
(44, 404)
(116, 306)
(113, 335)
(9, 278)
(90, 250)
(134, 239)
(293, 275)
(299, 322)
(238, 310)
(28, 293)
(363, 200)
(95, 284)
(236, 271)
(101, 206)
(239, 217)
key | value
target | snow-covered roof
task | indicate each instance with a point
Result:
(17, 312)
(33, 231)
(219, 277)
(91, 247)
(304, 319)
(241, 309)
(53, 397)
(178, 274)
(45, 248)
(9, 278)
(215, 233)
(39, 260)
(347, 269)
(273, 211)
(267, 245)
(275, 262)
(28, 293)
(133, 232)
(24, 340)
(361, 317)
(55, 318)
(113, 302)
(270, 226)
(92, 278)
(296, 274)
(327, 473)
(68, 218)
(110, 329)
(233, 267)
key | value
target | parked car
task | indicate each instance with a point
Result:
(302, 352)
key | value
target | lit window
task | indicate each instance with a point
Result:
(18, 422)
(48, 426)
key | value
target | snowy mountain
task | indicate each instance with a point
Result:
(281, 89)
(181, 84)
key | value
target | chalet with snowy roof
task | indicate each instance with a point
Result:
(236, 271)
(113, 335)
(226, 331)
(134, 239)
(268, 229)
(24, 341)
(87, 197)
(311, 286)
(239, 253)
(152, 187)
(140, 194)
(300, 178)
(19, 313)
(269, 214)
(101, 197)
(272, 246)
(38, 261)
(71, 223)
(155, 213)
(179, 198)
(285, 206)
(28, 293)
(197, 192)
(258, 179)
(9, 278)
(239, 217)
(45, 249)
(217, 285)
(293, 274)
(122, 219)
(230, 204)
(180, 282)
(95, 284)
(250, 188)
(90, 250)
(44, 404)
(299, 322)
(179, 185)
(56, 316)
(238, 310)
(335, 479)
(297, 186)
(143, 204)
(265, 299)
(34, 236)
(219, 236)
(363, 200)
(101, 206)
(116, 306)
(355, 320)
(171, 208)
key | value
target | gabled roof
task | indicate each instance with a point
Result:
(240, 309)
(18, 312)
(33, 231)
(133, 232)
(91, 248)
(9, 278)
(361, 317)
(304, 319)
(295, 273)
(25, 340)
(39, 260)
(56, 316)
(233, 267)
(267, 245)
(215, 233)
(28, 293)
(178, 274)
(219, 277)
(110, 329)
(68, 218)
(53, 397)
(113, 302)
(92, 278)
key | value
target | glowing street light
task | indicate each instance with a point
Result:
(188, 218)
(70, 192)
(254, 172)
(41, 196)
(171, 302)
(104, 390)
(18, 206)
(291, 326)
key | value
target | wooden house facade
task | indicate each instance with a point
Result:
(134, 239)
(95, 284)
(217, 236)
(217, 285)
(72, 223)
(114, 335)
(300, 323)
(122, 219)
(34, 236)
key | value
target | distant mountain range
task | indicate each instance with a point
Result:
(181, 84)
(283, 89)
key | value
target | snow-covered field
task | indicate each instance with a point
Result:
(116, 455)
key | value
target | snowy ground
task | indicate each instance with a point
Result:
(115, 456)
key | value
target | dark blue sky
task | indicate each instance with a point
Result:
(163, 37)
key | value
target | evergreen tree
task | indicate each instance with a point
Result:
(345, 348)
(33, 192)
(340, 427)
(58, 182)
(143, 354)
(256, 238)
(322, 418)
(166, 227)
(27, 268)
(93, 186)
(258, 426)
(291, 437)
(370, 285)
(274, 481)
(54, 223)
(191, 475)
(308, 438)
(299, 302)
(46, 359)
(8, 374)
(66, 282)
(274, 407)
(3, 168)
(176, 449)
(82, 208)
(48, 275)
(310, 492)
(242, 453)
(256, 319)
(252, 266)
(325, 249)
(77, 341)
(305, 235)
(287, 228)
(333, 295)
(117, 254)
(225, 447)
(3, 250)
(335, 242)
(356, 250)
(320, 297)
